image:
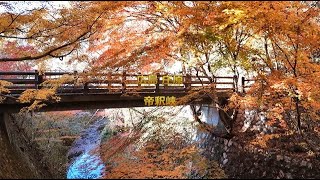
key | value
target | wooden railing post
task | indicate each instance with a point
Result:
(214, 80)
(36, 78)
(124, 77)
(40, 80)
(187, 82)
(235, 83)
(109, 81)
(242, 84)
(139, 84)
(75, 74)
(86, 88)
(158, 83)
(75, 78)
(165, 84)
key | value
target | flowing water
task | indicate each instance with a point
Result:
(85, 159)
(86, 162)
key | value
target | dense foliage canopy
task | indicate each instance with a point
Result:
(277, 43)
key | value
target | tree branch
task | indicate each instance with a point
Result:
(44, 54)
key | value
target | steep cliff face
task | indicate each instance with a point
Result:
(17, 155)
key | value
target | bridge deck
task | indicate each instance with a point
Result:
(88, 91)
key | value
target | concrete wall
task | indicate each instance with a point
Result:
(19, 158)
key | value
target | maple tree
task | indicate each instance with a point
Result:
(276, 42)
(286, 69)
(156, 152)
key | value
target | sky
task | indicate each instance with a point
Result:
(55, 63)
(20, 6)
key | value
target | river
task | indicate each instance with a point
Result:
(84, 154)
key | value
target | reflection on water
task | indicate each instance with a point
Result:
(87, 165)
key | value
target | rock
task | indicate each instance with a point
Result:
(287, 159)
(225, 161)
(74, 155)
(288, 176)
(279, 157)
(225, 142)
(100, 128)
(241, 165)
(281, 174)
(235, 144)
(309, 165)
(225, 148)
(303, 163)
(230, 143)
(264, 174)
(224, 155)
(294, 162)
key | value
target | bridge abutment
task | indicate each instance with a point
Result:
(18, 157)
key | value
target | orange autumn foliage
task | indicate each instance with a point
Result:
(153, 160)
(275, 42)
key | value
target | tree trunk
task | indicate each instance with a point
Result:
(297, 102)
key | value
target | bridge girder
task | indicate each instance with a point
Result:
(100, 101)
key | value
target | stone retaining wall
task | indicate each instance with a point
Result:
(243, 161)
(25, 153)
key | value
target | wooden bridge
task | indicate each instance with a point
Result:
(109, 90)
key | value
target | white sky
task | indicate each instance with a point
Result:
(55, 63)
(20, 6)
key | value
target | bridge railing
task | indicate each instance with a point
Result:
(246, 83)
(115, 82)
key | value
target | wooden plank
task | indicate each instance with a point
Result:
(223, 77)
(20, 81)
(105, 81)
(20, 87)
(224, 83)
(224, 88)
(199, 82)
(17, 73)
(57, 73)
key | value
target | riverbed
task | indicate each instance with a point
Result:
(85, 162)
